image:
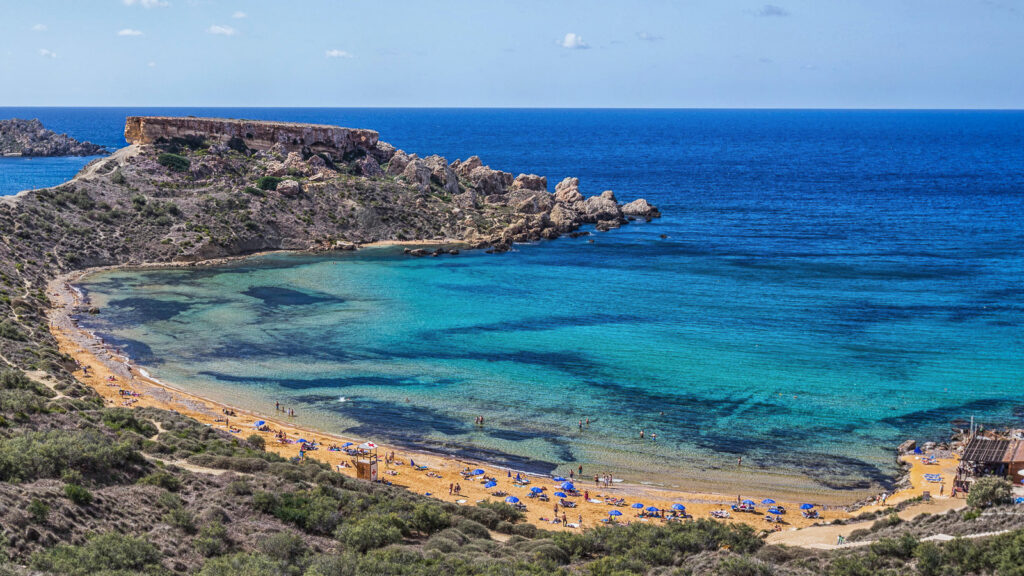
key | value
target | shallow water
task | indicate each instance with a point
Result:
(832, 282)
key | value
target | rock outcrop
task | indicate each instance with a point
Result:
(30, 138)
(256, 134)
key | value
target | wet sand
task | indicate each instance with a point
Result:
(109, 374)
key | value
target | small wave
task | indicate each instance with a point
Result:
(342, 399)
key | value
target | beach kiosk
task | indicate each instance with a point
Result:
(365, 462)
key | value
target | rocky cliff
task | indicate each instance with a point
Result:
(30, 138)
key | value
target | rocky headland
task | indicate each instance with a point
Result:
(30, 138)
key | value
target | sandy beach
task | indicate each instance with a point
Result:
(121, 384)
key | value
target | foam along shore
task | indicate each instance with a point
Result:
(121, 384)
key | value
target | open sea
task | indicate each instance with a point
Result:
(831, 283)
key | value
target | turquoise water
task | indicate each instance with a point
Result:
(831, 283)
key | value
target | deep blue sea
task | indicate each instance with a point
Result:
(831, 283)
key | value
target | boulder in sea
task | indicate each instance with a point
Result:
(597, 208)
(640, 207)
(568, 191)
(907, 447)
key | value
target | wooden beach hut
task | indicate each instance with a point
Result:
(990, 456)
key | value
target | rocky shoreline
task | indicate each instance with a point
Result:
(29, 138)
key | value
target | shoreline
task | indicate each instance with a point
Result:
(111, 374)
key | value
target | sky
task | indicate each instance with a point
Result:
(521, 53)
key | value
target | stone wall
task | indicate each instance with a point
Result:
(257, 134)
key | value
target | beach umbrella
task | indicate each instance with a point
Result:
(615, 513)
(561, 494)
(368, 446)
(490, 484)
(568, 486)
(511, 499)
(806, 506)
(346, 444)
(767, 501)
(748, 502)
(559, 479)
(679, 507)
(478, 472)
(259, 423)
(536, 489)
(302, 440)
(637, 505)
(653, 509)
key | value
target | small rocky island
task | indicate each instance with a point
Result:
(29, 138)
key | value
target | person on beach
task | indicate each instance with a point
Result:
(277, 406)
(641, 434)
(580, 520)
(580, 470)
(556, 509)
(451, 488)
(588, 422)
(597, 480)
(564, 521)
(654, 435)
(586, 495)
(571, 475)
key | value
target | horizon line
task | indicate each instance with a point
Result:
(667, 108)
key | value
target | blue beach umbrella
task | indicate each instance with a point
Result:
(478, 472)
(568, 486)
(490, 484)
(561, 494)
(536, 489)
(511, 499)
(346, 444)
(637, 505)
(303, 440)
(259, 423)
(806, 506)
(679, 507)
(767, 501)
(653, 509)
(748, 502)
(558, 479)
(615, 513)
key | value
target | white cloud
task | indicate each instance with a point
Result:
(151, 64)
(648, 37)
(239, 15)
(769, 10)
(335, 53)
(574, 42)
(39, 28)
(129, 32)
(222, 30)
(47, 53)
(147, 3)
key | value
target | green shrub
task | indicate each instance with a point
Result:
(255, 191)
(241, 565)
(370, 532)
(163, 480)
(174, 162)
(257, 441)
(989, 491)
(283, 547)
(38, 510)
(47, 454)
(78, 494)
(504, 511)
(268, 182)
(105, 553)
(118, 177)
(743, 566)
(180, 518)
(929, 559)
(902, 547)
(11, 331)
(125, 419)
(212, 540)
(428, 518)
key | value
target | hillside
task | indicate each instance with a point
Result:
(30, 138)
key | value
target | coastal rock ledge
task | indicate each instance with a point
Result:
(29, 138)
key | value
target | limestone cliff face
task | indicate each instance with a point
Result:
(260, 135)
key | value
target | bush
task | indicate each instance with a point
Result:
(38, 510)
(902, 547)
(257, 441)
(78, 494)
(125, 419)
(212, 540)
(11, 331)
(504, 511)
(989, 491)
(370, 532)
(255, 191)
(268, 182)
(283, 547)
(174, 162)
(47, 454)
(163, 480)
(743, 566)
(180, 518)
(428, 518)
(105, 553)
(240, 565)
